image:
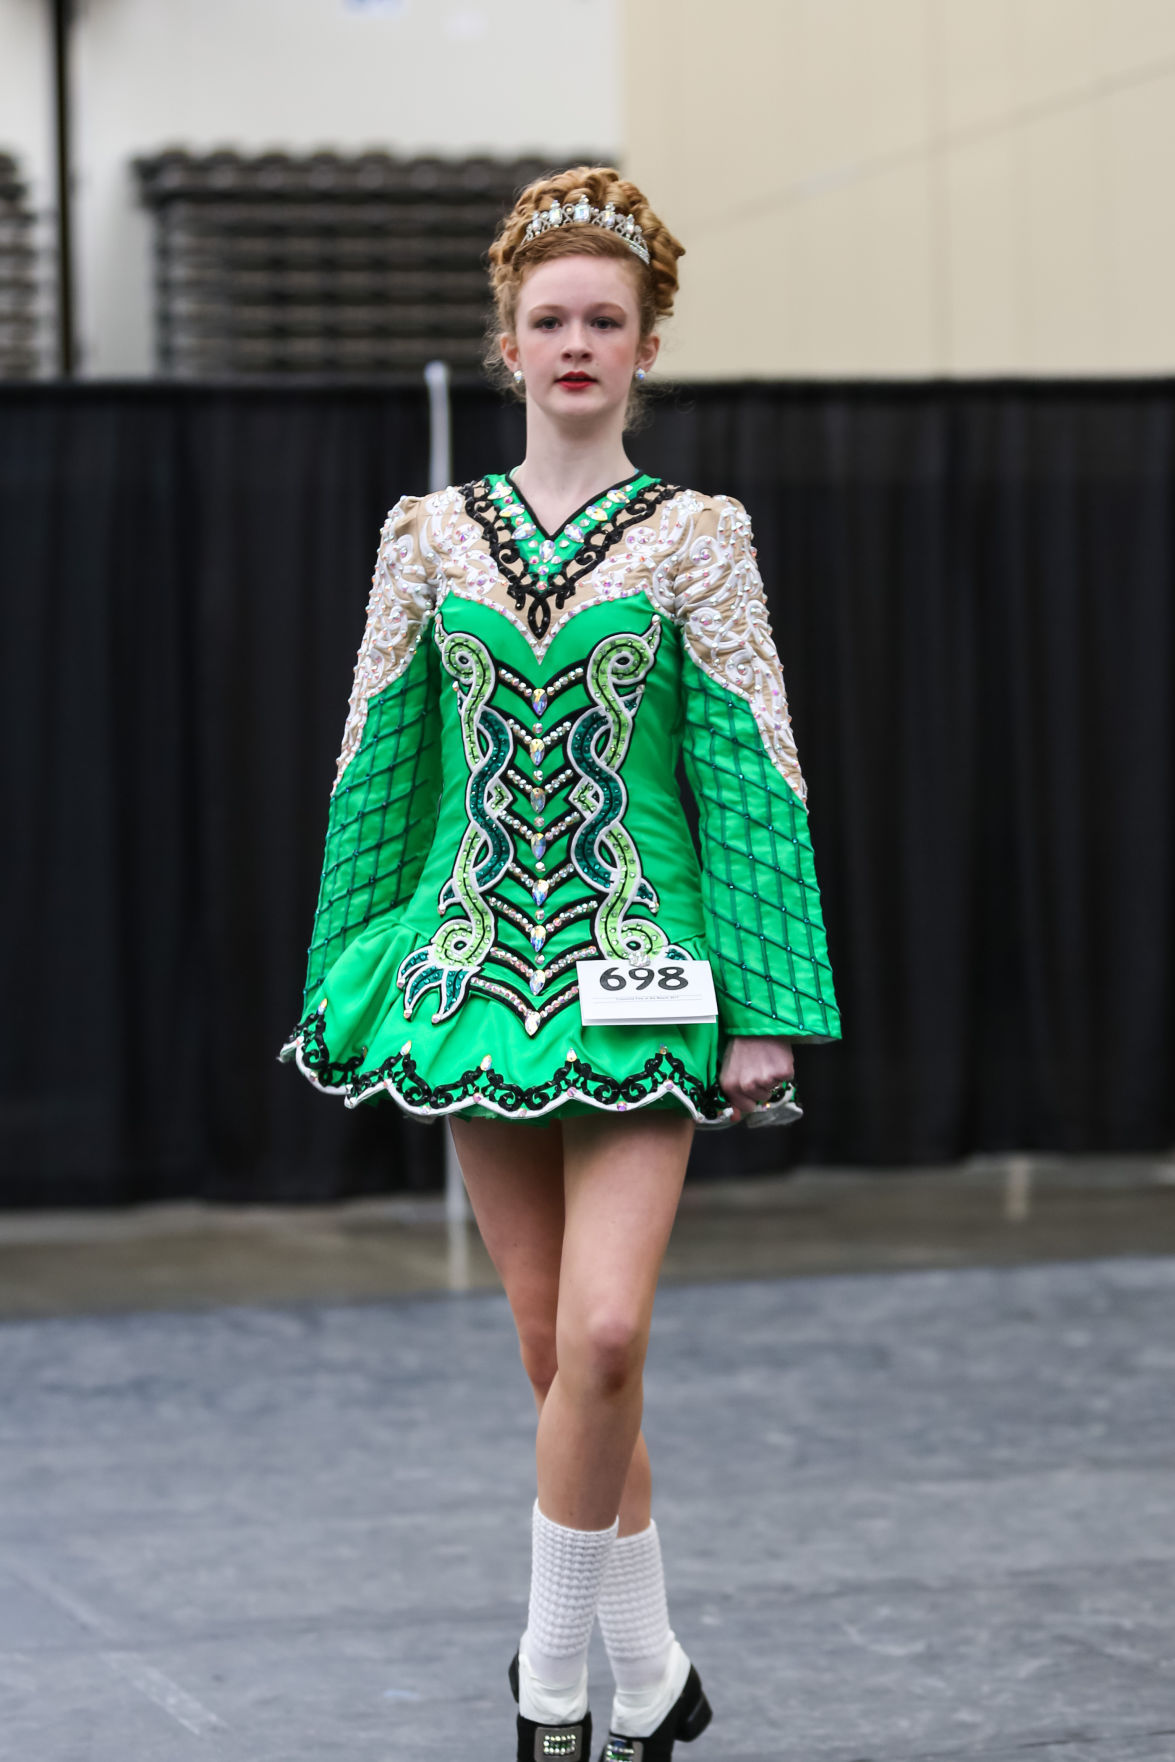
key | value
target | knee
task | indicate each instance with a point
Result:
(608, 1351)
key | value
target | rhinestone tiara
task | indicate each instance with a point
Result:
(582, 213)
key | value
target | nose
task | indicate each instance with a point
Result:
(577, 342)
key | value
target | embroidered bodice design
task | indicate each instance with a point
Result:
(538, 568)
(692, 555)
(493, 945)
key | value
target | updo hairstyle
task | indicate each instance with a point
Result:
(510, 258)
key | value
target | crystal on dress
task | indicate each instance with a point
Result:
(540, 701)
(531, 1023)
(539, 891)
(537, 981)
(547, 549)
(537, 749)
(538, 936)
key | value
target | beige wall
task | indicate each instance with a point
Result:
(910, 187)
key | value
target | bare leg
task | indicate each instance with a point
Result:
(622, 1180)
(514, 1175)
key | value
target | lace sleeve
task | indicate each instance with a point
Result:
(764, 925)
(401, 599)
(723, 613)
(383, 806)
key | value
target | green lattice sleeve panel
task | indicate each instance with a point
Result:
(382, 814)
(764, 927)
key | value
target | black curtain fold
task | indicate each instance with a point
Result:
(971, 588)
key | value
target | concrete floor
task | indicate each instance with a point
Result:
(907, 1515)
(824, 1221)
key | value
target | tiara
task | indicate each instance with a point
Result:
(582, 213)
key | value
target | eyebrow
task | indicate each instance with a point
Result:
(552, 306)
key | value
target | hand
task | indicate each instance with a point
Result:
(754, 1065)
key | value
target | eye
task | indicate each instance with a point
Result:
(547, 323)
(608, 323)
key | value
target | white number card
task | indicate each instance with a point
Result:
(612, 992)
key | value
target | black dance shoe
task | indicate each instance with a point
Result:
(542, 1743)
(687, 1719)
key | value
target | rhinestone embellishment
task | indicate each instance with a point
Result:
(561, 1743)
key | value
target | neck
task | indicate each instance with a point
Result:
(563, 469)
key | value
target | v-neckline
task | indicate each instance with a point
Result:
(539, 570)
(592, 501)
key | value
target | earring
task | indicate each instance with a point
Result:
(518, 376)
(640, 373)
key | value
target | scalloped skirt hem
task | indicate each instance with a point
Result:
(573, 1088)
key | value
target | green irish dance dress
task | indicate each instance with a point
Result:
(506, 805)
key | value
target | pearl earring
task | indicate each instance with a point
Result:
(640, 373)
(518, 376)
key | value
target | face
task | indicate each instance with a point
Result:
(577, 337)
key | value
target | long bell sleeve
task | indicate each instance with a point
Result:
(383, 806)
(764, 925)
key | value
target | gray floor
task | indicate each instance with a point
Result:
(908, 1515)
(985, 1213)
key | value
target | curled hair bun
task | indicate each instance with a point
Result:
(601, 184)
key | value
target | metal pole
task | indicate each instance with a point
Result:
(66, 350)
(440, 475)
(440, 436)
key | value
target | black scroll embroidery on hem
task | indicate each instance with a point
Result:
(574, 1079)
(511, 564)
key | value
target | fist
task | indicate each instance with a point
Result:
(754, 1065)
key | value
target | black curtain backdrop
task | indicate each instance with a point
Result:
(971, 587)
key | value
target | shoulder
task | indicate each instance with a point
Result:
(710, 510)
(408, 520)
(708, 521)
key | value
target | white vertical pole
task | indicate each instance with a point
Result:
(440, 443)
(440, 474)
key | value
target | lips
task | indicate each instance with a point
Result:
(575, 379)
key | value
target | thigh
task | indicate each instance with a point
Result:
(622, 1181)
(514, 1177)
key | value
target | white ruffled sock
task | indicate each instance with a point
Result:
(566, 1573)
(647, 1662)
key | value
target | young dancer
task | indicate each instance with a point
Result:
(540, 647)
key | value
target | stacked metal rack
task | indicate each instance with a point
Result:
(19, 321)
(322, 263)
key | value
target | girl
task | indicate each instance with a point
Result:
(540, 648)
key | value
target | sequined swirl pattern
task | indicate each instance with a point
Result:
(602, 849)
(460, 946)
